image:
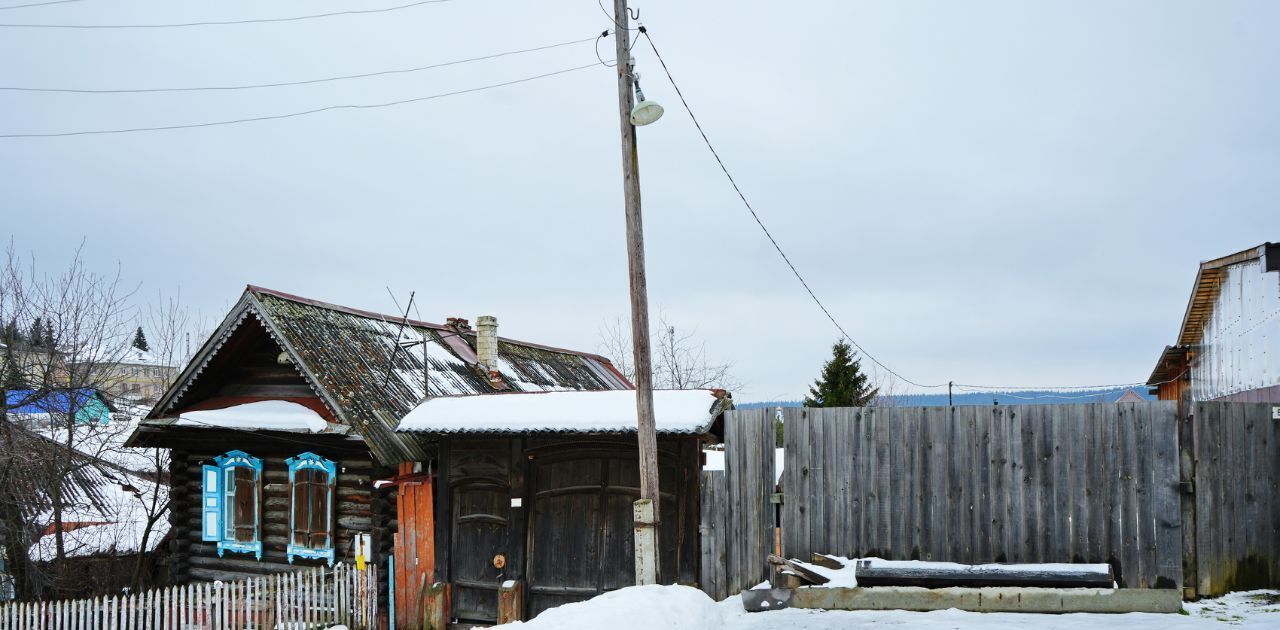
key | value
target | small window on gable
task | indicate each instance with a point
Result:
(312, 480)
(232, 503)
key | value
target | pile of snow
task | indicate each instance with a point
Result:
(276, 415)
(614, 411)
(634, 608)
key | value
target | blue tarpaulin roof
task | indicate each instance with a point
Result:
(55, 401)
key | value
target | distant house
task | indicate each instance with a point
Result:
(104, 507)
(1228, 347)
(138, 375)
(1130, 396)
(35, 406)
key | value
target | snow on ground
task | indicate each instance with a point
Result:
(686, 608)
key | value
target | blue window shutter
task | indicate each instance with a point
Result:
(211, 508)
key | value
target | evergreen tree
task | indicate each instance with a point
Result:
(140, 340)
(12, 375)
(11, 333)
(48, 334)
(843, 383)
(37, 333)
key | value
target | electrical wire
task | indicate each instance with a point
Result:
(805, 284)
(228, 22)
(254, 86)
(760, 223)
(37, 4)
(297, 114)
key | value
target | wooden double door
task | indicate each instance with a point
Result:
(557, 515)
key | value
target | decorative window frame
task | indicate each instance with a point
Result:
(311, 461)
(215, 506)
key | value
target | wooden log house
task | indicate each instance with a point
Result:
(284, 451)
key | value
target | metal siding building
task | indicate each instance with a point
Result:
(1229, 343)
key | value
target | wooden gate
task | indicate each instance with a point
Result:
(415, 552)
(738, 523)
(581, 523)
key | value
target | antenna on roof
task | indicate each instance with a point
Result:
(395, 350)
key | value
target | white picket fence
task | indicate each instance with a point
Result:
(312, 598)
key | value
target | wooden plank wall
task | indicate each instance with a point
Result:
(747, 508)
(1017, 483)
(713, 530)
(1237, 496)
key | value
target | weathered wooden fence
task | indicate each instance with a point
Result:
(1019, 483)
(1236, 467)
(305, 599)
(737, 511)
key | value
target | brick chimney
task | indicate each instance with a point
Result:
(487, 342)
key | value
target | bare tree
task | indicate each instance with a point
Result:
(83, 328)
(171, 324)
(679, 359)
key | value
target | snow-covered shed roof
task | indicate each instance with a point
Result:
(369, 369)
(675, 412)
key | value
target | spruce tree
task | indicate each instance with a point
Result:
(37, 333)
(842, 383)
(48, 334)
(140, 340)
(12, 376)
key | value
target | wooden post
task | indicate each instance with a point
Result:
(511, 602)
(646, 565)
(435, 606)
(646, 538)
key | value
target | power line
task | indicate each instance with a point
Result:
(227, 22)
(37, 4)
(297, 114)
(252, 86)
(760, 223)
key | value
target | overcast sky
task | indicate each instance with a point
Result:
(986, 192)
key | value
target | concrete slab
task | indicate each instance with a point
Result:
(992, 599)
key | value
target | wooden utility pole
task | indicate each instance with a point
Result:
(646, 539)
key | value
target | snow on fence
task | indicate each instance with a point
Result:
(312, 598)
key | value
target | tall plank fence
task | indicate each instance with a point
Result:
(737, 511)
(305, 599)
(1019, 483)
(1236, 529)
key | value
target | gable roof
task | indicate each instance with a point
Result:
(1204, 294)
(369, 368)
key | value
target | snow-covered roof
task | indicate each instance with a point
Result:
(675, 411)
(274, 415)
(134, 356)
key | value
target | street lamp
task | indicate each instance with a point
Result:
(645, 112)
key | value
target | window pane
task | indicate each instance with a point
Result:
(246, 504)
(300, 519)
